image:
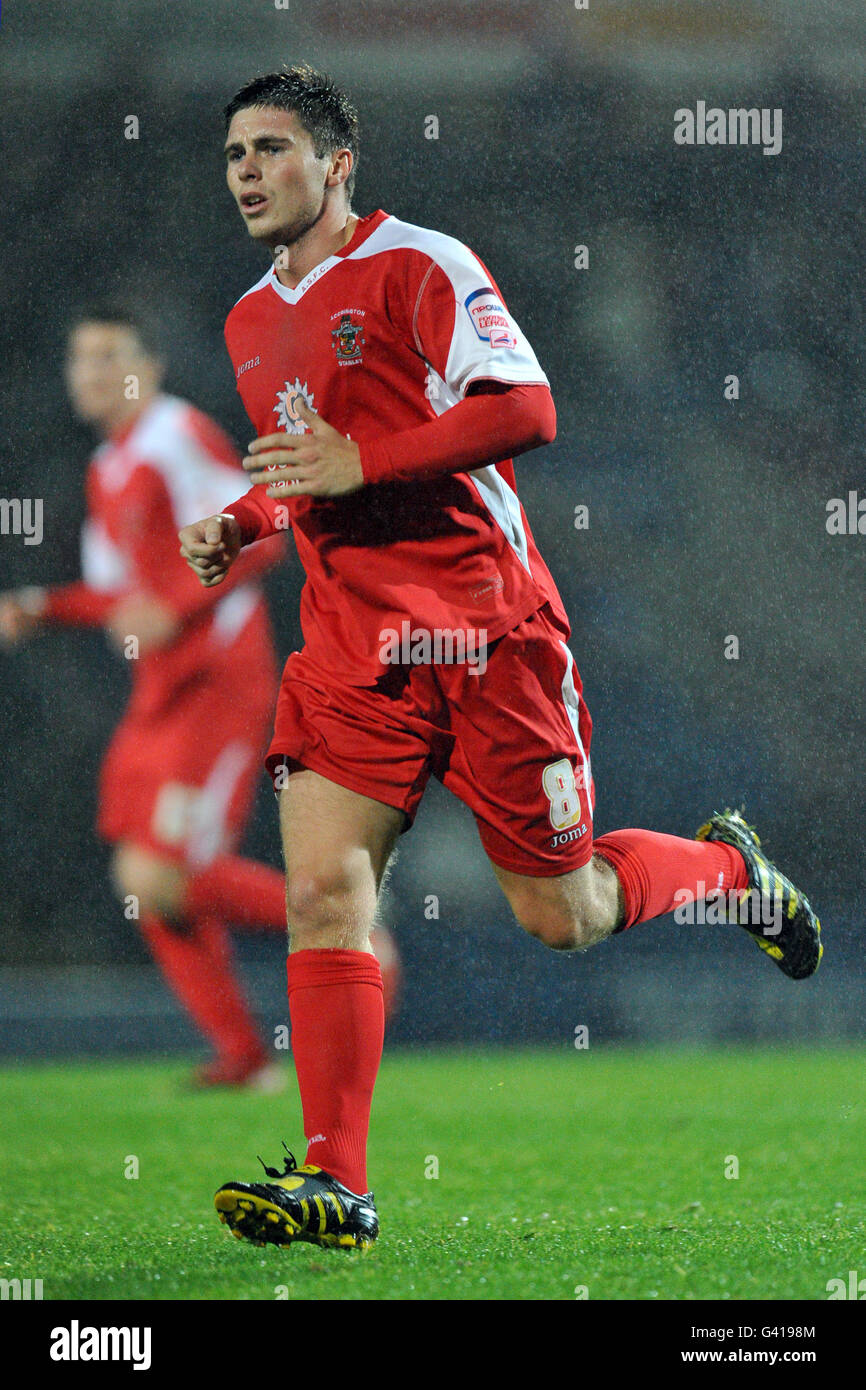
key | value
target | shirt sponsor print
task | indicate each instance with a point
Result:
(286, 408)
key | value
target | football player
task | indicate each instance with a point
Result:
(390, 388)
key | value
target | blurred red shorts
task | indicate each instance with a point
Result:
(181, 781)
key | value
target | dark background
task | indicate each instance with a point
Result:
(707, 516)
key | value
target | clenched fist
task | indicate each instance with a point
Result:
(210, 547)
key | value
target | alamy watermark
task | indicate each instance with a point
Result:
(736, 126)
(77, 1343)
(846, 517)
(22, 516)
(854, 1287)
(20, 1289)
(711, 907)
(439, 646)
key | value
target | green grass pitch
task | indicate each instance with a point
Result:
(558, 1171)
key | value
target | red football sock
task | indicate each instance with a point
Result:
(197, 966)
(338, 1024)
(654, 868)
(242, 891)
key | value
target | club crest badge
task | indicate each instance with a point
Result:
(286, 410)
(348, 337)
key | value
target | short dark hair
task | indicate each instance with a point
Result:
(325, 112)
(123, 316)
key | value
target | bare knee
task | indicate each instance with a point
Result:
(571, 912)
(156, 884)
(329, 907)
(557, 927)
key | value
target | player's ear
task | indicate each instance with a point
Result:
(341, 167)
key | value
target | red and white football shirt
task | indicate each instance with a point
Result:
(381, 337)
(170, 466)
(180, 773)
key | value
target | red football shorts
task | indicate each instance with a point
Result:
(511, 741)
(181, 780)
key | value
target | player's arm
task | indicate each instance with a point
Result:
(103, 598)
(496, 420)
(502, 407)
(85, 602)
(479, 357)
(27, 611)
(463, 331)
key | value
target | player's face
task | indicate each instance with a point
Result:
(100, 360)
(273, 174)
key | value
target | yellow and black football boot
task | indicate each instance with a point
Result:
(778, 918)
(298, 1204)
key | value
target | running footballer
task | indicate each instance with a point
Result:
(390, 389)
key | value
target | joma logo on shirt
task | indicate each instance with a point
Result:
(245, 366)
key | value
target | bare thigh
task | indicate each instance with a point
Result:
(159, 884)
(336, 845)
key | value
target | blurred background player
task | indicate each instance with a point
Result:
(178, 781)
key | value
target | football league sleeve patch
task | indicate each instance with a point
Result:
(464, 328)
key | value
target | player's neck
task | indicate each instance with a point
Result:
(121, 420)
(292, 263)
